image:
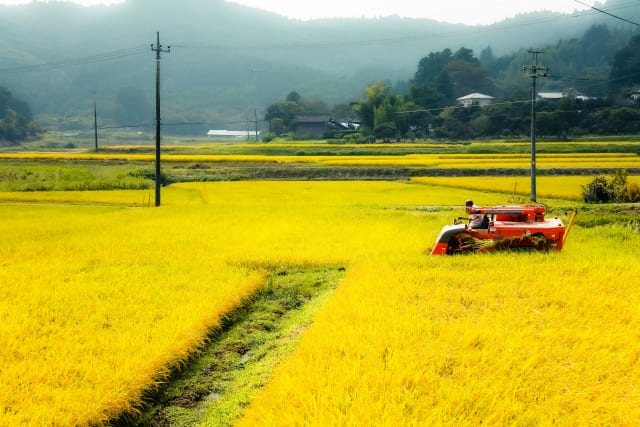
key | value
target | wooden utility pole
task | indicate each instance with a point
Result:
(157, 48)
(95, 122)
(535, 71)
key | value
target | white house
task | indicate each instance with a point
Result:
(231, 134)
(551, 95)
(475, 99)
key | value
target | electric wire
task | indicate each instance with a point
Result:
(607, 13)
(151, 124)
(84, 60)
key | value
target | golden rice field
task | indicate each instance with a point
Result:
(460, 161)
(487, 161)
(556, 187)
(97, 302)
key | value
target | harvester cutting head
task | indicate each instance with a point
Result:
(503, 227)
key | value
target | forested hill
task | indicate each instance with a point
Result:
(228, 60)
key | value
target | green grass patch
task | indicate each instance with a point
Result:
(216, 386)
(628, 215)
(54, 175)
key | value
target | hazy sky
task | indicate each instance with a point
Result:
(456, 11)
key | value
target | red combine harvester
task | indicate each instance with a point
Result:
(505, 227)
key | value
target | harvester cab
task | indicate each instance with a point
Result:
(504, 227)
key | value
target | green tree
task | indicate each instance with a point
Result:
(455, 122)
(444, 86)
(597, 191)
(285, 112)
(486, 57)
(430, 66)
(366, 108)
(386, 115)
(281, 115)
(468, 76)
(16, 120)
(626, 63)
(618, 186)
(615, 189)
(549, 124)
(442, 77)
(480, 126)
(465, 55)
(428, 96)
(294, 97)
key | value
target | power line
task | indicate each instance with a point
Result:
(139, 125)
(84, 60)
(449, 107)
(149, 124)
(607, 13)
(578, 79)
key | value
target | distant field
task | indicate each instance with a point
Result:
(132, 167)
(333, 148)
(557, 187)
(488, 161)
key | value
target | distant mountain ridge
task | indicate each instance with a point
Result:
(228, 59)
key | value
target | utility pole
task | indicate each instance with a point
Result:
(95, 123)
(535, 71)
(255, 101)
(255, 115)
(95, 120)
(157, 48)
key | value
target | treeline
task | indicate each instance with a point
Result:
(563, 118)
(595, 90)
(16, 120)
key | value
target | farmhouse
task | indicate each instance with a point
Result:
(312, 125)
(475, 99)
(321, 125)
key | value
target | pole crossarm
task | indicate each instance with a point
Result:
(536, 70)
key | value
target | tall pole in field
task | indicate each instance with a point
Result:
(95, 119)
(253, 71)
(535, 71)
(157, 48)
(255, 115)
(95, 122)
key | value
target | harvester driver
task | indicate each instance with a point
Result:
(476, 220)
